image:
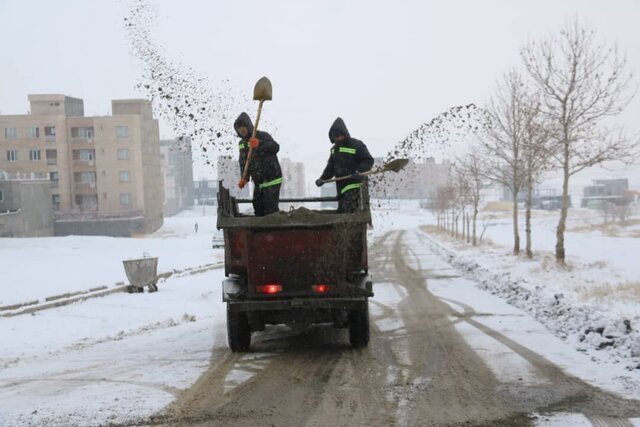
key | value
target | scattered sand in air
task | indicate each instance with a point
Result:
(204, 110)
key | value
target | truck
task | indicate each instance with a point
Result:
(297, 267)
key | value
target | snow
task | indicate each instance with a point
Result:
(588, 247)
(83, 262)
(110, 359)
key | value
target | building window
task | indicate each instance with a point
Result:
(10, 133)
(50, 133)
(125, 199)
(84, 155)
(38, 175)
(87, 202)
(82, 132)
(125, 176)
(122, 131)
(123, 154)
(1, 196)
(54, 177)
(33, 132)
(34, 155)
(12, 155)
(52, 157)
(84, 177)
(55, 198)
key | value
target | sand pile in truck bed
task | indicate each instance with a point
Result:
(300, 217)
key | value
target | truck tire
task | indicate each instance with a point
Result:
(238, 332)
(359, 326)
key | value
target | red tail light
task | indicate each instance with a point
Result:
(271, 288)
(320, 288)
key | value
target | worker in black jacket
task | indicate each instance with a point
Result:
(264, 168)
(349, 156)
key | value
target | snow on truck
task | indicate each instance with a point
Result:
(300, 267)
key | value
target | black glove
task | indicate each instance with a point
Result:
(319, 182)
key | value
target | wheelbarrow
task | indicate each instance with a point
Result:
(141, 272)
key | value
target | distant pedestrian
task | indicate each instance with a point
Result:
(196, 227)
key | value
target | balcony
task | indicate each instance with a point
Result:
(52, 161)
(86, 163)
(49, 138)
(85, 187)
(81, 140)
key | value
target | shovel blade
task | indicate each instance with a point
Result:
(262, 90)
(396, 165)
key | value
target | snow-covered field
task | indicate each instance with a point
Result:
(83, 262)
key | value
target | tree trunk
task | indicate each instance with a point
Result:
(560, 255)
(475, 218)
(527, 216)
(468, 229)
(516, 233)
(456, 224)
(464, 225)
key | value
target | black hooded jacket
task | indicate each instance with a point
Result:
(347, 157)
(264, 166)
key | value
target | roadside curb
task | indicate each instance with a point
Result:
(61, 300)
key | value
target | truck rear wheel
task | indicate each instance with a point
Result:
(359, 326)
(238, 331)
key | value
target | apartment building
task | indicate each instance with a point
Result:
(105, 171)
(177, 170)
(294, 183)
(418, 180)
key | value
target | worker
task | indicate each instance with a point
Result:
(349, 157)
(264, 167)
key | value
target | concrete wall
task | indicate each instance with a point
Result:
(117, 227)
(30, 206)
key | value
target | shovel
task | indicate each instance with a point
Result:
(261, 92)
(395, 165)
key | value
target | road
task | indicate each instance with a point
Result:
(419, 369)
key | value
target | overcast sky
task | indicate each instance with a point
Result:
(384, 67)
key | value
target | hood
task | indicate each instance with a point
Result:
(243, 120)
(338, 128)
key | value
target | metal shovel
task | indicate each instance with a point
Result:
(395, 165)
(262, 91)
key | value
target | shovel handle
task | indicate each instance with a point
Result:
(342, 178)
(245, 171)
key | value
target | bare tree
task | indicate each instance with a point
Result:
(471, 169)
(441, 203)
(582, 83)
(622, 209)
(504, 138)
(537, 149)
(461, 185)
